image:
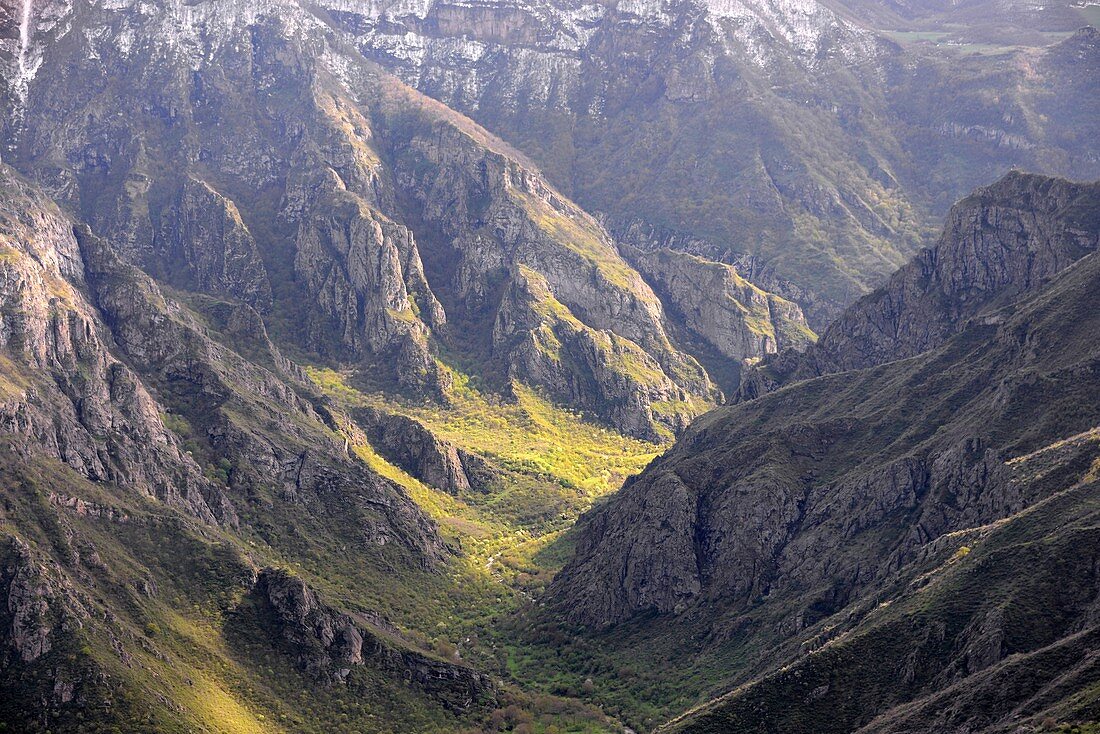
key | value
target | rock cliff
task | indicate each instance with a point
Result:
(329, 644)
(1002, 241)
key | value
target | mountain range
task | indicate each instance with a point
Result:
(330, 331)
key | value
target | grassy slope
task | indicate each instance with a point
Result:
(555, 465)
(165, 615)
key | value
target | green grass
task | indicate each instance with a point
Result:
(554, 466)
(528, 434)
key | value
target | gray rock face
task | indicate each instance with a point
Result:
(539, 261)
(329, 643)
(1004, 240)
(733, 319)
(788, 495)
(366, 280)
(65, 393)
(41, 614)
(84, 333)
(287, 440)
(958, 642)
(28, 598)
(204, 238)
(599, 371)
(411, 446)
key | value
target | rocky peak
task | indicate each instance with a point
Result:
(1002, 241)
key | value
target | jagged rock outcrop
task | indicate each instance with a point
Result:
(507, 226)
(1002, 241)
(717, 307)
(410, 445)
(30, 608)
(73, 310)
(65, 393)
(206, 246)
(786, 496)
(329, 643)
(974, 638)
(368, 290)
(286, 440)
(608, 376)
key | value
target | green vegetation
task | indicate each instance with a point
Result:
(196, 653)
(527, 434)
(554, 466)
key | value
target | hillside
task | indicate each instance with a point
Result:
(752, 536)
(430, 367)
(1002, 241)
(800, 142)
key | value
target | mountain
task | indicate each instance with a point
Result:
(834, 540)
(1000, 242)
(790, 139)
(136, 445)
(300, 369)
(994, 631)
(267, 161)
(321, 324)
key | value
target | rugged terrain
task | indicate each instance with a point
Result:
(999, 243)
(840, 532)
(306, 375)
(267, 161)
(786, 137)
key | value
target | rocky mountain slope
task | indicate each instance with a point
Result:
(994, 631)
(271, 163)
(180, 282)
(758, 529)
(785, 137)
(305, 376)
(128, 421)
(1001, 241)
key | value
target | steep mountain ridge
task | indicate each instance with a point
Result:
(305, 377)
(998, 243)
(782, 137)
(273, 164)
(777, 527)
(66, 394)
(883, 438)
(995, 630)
